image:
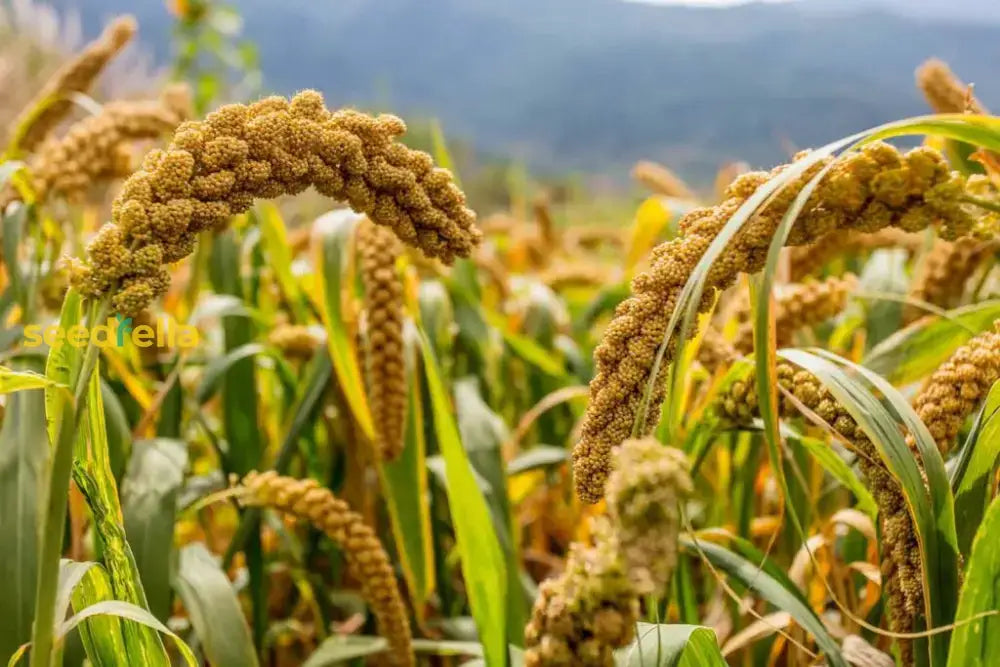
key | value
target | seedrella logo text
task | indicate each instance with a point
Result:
(164, 332)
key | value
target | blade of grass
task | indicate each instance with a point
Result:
(102, 636)
(93, 476)
(149, 500)
(214, 608)
(482, 558)
(333, 233)
(23, 447)
(404, 483)
(978, 642)
(770, 589)
(671, 646)
(922, 347)
(933, 514)
(976, 464)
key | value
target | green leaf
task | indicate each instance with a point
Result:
(483, 434)
(13, 224)
(539, 456)
(275, 238)
(404, 483)
(338, 649)
(102, 636)
(973, 475)
(215, 611)
(482, 558)
(919, 349)
(335, 231)
(932, 507)
(23, 449)
(770, 588)
(11, 381)
(978, 642)
(60, 363)
(129, 611)
(671, 646)
(149, 504)
(526, 348)
(215, 371)
(245, 441)
(839, 470)
(93, 476)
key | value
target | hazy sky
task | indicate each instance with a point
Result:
(706, 3)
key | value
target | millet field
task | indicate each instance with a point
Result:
(272, 392)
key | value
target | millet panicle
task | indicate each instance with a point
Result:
(644, 494)
(800, 306)
(867, 190)
(366, 559)
(217, 167)
(76, 76)
(382, 343)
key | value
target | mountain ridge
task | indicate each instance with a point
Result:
(593, 85)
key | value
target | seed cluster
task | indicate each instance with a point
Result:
(866, 191)
(948, 397)
(583, 615)
(99, 148)
(958, 387)
(801, 306)
(76, 76)
(294, 340)
(659, 180)
(808, 260)
(382, 345)
(901, 568)
(715, 351)
(945, 272)
(215, 168)
(365, 557)
(944, 91)
(644, 495)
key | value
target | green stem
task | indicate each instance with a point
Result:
(51, 539)
(981, 202)
(55, 495)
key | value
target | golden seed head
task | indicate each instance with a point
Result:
(583, 615)
(644, 494)
(76, 76)
(659, 180)
(382, 347)
(945, 92)
(366, 559)
(294, 340)
(215, 168)
(868, 190)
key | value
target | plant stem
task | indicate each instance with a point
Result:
(55, 495)
(982, 202)
(51, 539)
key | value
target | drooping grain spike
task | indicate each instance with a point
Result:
(366, 559)
(868, 190)
(76, 76)
(216, 168)
(659, 180)
(944, 91)
(385, 364)
(96, 149)
(801, 306)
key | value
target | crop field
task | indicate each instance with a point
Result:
(273, 393)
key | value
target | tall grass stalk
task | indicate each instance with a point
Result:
(55, 496)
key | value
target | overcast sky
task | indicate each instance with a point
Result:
(706, 3)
